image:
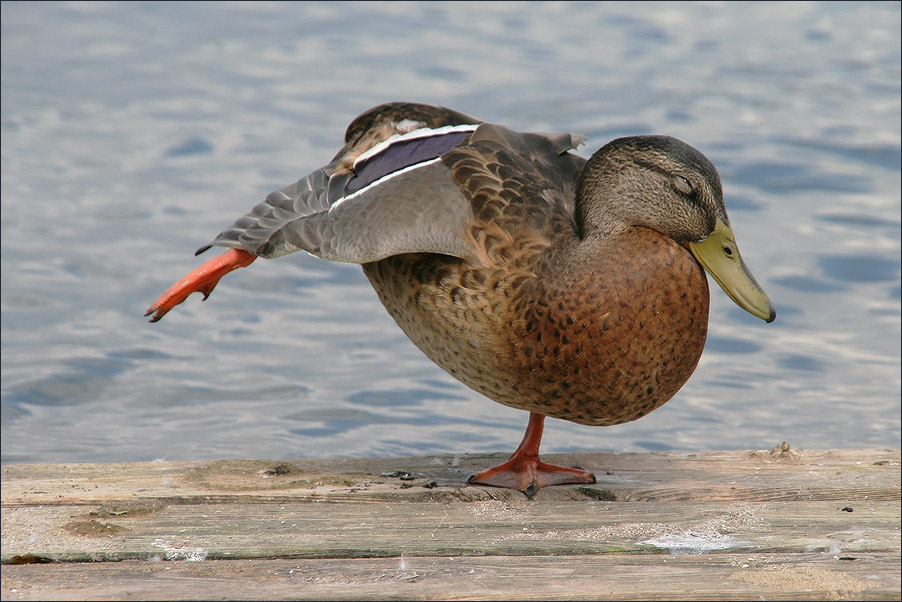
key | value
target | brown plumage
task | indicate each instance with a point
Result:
(560, 286)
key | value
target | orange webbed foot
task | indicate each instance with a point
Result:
(202, 280)
(529, 474)
(525, 472)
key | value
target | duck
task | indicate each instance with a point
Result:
(566, 287)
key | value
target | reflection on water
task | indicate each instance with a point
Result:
(863, 268)
(147, 128)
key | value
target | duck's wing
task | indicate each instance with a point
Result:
(520, 188)
(410, 179)
(411, 193)
(396, 198)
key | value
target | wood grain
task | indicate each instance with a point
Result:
(781, 523)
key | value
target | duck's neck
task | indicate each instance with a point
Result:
(596, 224)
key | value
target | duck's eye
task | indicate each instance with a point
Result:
(682, 184)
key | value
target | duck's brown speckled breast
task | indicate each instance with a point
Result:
(597, 333)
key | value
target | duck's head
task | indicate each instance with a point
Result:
(661, 183)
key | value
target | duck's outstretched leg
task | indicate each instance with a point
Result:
(525, 472)
(202, 280)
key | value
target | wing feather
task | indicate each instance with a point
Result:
(428, 206)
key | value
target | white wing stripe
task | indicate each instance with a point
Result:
(420, 133)
(382, 180)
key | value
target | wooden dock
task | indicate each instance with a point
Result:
(771, 524)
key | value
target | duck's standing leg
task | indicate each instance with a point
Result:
(525, 472)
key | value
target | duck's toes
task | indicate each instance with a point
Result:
(202, 280)
(530, 474)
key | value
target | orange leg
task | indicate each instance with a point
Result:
(525, 472)
(202, 280)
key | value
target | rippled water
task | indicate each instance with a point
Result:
(132, 133)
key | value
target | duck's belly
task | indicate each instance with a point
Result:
(603, 343)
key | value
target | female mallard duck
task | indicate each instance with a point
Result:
(564, 287)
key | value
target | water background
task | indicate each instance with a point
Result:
(133, 133)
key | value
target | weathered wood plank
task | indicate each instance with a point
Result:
(303, 530)
(778, 474)
(809, 525)
(622, 577)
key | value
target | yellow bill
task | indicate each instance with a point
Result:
(720, 256)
